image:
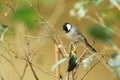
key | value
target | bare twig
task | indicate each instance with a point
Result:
(2, 78)
(46, 71)
(38, 69)
(57, 57)
(59, 45)
(25, 68)
(10, 5)
(74, 76)
(67, 76)
(57, 41)
(42, 36)
(28, 60)
(32, 69)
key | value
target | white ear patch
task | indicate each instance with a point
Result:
(69, 26)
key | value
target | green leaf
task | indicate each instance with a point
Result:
(97, 2)
(72, 62)
(1, 6)
(117, 15)
(115, 62)
(109, 21)
(25, 15)
(100, 33)
(81, 12)
(115, 3)
(78, 10)
(85, 1)
(108, 41)
(46, 1)
(58, 63)
(115, 65)
(87, 61)
(105, 8)
(114, 55)
(61, 77)
(51, 32)
(3, 30)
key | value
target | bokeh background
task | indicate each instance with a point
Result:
(22, 19)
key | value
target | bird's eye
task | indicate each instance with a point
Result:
(68, 26)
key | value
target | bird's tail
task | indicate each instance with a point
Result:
(90, 47)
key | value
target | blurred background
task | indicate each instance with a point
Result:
(26, 24)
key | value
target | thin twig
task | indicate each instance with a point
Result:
(25, 68)
(58, 42)
(33, 56)
(67, 77)
(45, 36)
(2, 78)
(12, 64)
(61, 47)
(48, 27)
(28, 60)
(32, 69)
(45, 71)
(57, 58)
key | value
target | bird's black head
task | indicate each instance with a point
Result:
(67, 27)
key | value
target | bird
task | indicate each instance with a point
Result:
(76, 37)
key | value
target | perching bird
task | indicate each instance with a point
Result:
(74, 34)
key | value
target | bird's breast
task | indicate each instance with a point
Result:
(72, 36)
(75, 37)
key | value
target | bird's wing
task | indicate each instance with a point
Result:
(78, 32)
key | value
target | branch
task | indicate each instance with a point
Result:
(2, 78)
(57, 58)
(45, 71)
(56, 40)
(25, 68)
(32, 69)
(83, 55)
(80, 61)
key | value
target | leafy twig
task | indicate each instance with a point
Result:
(92, 67)
(79, 61)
